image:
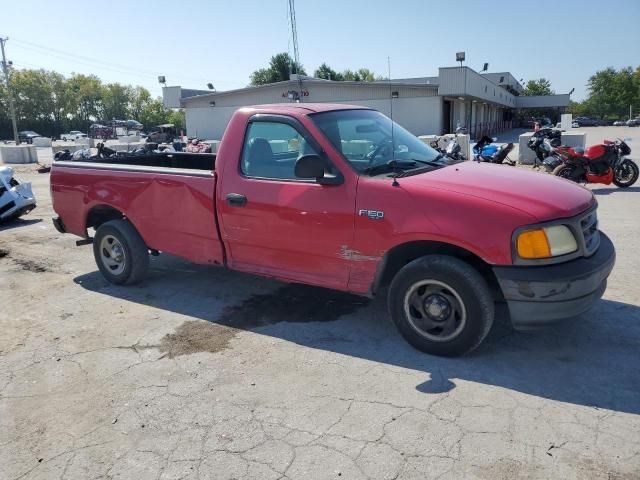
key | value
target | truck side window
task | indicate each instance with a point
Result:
(271, 150)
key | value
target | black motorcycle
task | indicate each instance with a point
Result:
(453, 150)
(543, 143)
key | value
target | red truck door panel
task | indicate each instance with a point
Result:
(275, 224)
(171, 208)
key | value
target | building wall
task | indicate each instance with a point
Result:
(463, 81)
(418, 109)
(419, 115)
(318, 92)
(208, 123)
(507, 80)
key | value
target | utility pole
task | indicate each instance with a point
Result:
(12, 108)
(294, 40)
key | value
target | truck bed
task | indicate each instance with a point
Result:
(194, 161)
(169, 198)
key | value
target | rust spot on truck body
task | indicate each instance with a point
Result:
(348, 254)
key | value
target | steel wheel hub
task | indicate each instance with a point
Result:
(112, 254)
(437, 307)
(435, 310)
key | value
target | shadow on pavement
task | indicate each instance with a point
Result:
(591, 361)
(613, 189)
(18, 222)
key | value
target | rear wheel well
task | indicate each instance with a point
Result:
(401, 255)
(101, 214)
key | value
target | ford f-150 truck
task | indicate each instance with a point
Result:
(341, 197)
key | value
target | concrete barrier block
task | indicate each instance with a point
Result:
(18, 154)
(427, 138)
(129, 138)
(279, 146)
(72, 147)
(86, 142)
(526, 156)
(41, 142)
(125, 147)
(356, 147)
(214, 144)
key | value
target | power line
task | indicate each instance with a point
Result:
(115, 67)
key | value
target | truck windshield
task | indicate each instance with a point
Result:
(364, 137)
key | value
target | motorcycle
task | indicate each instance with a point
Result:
(543, 142)
(604, 163)
(485, 151)
(16, 199)
(452, 149)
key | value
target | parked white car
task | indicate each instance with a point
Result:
(73, 135)
(16, 199)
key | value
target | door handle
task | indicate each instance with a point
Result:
(236, 200)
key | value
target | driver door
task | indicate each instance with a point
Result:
(276, 224)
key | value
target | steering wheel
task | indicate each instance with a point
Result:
(378, 149)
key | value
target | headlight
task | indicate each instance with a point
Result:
(546, 242)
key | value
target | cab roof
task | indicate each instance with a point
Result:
(309, 107)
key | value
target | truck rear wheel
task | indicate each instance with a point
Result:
(120, 252)
(441, 305)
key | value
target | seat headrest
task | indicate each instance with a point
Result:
(260, 151)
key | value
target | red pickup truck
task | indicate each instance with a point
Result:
(341, 197)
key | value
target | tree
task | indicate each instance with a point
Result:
(577, 109)
(60, 99)
(541, 86)
(85, 100)
(328, 73)
(51, 103)
(139, 97)
(360, 75)
(115, 101)
(177, 118)
(281, 66)
(625, 91)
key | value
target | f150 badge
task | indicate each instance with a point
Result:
(372, 214)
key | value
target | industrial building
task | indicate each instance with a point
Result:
(484, 103)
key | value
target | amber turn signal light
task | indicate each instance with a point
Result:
(533, 244)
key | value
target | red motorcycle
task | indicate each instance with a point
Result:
(604, 163)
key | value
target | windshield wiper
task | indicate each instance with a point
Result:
(390, 166)
(433, 163)
(416, 171)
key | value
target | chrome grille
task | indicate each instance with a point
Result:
(590, 232)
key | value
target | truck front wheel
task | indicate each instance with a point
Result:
(120, 252)
(441, 305)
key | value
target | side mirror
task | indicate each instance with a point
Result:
(309, 166)
(313, 166)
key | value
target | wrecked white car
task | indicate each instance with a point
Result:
(16, 199)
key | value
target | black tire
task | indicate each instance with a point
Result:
(564, 171)
(457, 281)
(629, 167)
(122, 236)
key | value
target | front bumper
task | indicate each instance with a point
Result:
(540, 295)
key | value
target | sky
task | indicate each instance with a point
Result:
(194, 42)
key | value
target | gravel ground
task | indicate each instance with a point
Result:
(205, 373)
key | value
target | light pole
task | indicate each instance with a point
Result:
(12, 108)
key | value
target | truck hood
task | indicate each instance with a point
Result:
(543, 196)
